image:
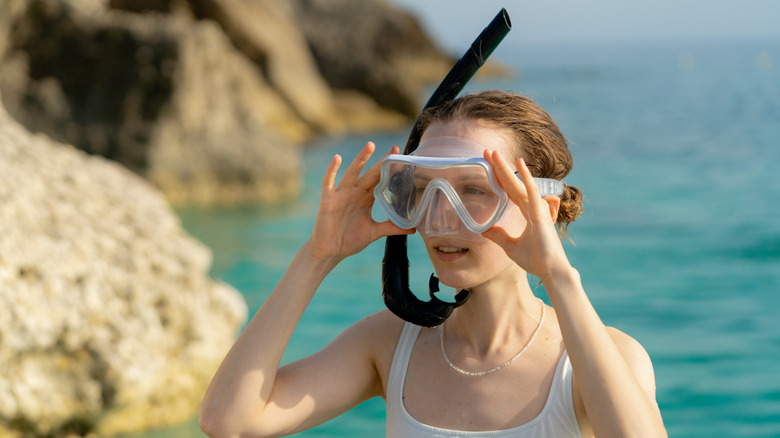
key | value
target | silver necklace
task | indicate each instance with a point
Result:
(483, 373)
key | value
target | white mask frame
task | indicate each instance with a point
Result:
(445, 153)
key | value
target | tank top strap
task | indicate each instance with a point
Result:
(403, 352)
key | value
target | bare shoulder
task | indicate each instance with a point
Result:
(383, 317)
(378, 332)
(636, 356)
(379, 324)
(351, 368)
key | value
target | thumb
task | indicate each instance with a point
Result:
(388, 228)
(499, 236)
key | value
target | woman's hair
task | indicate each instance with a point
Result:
(540, 143)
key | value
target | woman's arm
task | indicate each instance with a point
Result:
(613, 374)
(249, 394)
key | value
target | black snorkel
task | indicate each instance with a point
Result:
(395, 265)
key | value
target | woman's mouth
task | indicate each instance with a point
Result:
(450, 253)
(450, 249)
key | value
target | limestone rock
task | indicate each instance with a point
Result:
(109, 322)
(170, 98)
(370, 46)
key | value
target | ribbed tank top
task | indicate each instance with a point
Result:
(557, 418)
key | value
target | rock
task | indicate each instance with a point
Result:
(169, 98)
(109, 322)
(210, 99)
(266, 32)
(226, 136)
(370, 46)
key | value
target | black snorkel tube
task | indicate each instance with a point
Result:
(395, 265)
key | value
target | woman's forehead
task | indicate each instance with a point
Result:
(452, 173)
(488, 135)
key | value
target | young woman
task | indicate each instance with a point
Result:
(504, 364)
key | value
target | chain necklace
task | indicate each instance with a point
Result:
(483, 373)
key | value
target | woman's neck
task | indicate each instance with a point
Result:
(501, 311)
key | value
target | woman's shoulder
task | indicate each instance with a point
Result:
(628, 346)
(375, 337)
(378, 331)
(635, 355)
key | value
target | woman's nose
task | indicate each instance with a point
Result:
(441, 217)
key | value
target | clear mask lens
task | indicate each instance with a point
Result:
(443, 199)
(441, 218)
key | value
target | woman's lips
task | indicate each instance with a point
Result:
(450, 253)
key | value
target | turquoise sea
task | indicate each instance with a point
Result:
(677, 149)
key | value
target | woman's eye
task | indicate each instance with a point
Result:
(473, 190)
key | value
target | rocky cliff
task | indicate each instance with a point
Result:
(109, 322)
(211, 99)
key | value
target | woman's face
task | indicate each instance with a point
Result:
(461, 263)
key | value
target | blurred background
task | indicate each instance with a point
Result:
(231, 110)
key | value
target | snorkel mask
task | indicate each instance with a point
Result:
(395, 265)
(446, 188)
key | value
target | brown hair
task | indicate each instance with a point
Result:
(540, 142)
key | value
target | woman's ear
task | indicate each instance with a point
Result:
(554, 204)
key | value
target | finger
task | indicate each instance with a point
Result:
(507, 178)
(329, 180)
(528, 179)
(388, 228)
(539, 206)
(371, 177)
(354, 169)
(499, 235)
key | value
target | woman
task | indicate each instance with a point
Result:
(504, 364)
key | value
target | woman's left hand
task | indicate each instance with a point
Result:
(538, 250)
(615, 382)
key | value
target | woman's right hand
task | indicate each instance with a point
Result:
(344, 225)
(250, 394)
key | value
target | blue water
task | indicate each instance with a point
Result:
(677, 149)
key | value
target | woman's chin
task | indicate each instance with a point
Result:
(454, 281)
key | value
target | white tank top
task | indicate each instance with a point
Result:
(557, 418)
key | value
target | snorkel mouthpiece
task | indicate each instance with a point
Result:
(401, 300)
(395, 264)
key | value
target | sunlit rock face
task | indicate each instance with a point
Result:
(109, 321)
(168, 97)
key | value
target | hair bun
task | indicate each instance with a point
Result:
(571, 207)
